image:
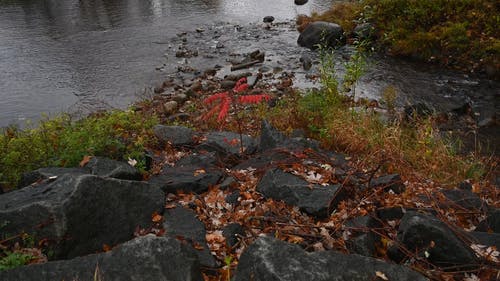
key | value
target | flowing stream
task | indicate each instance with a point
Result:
(63, 55)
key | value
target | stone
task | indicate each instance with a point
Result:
(227, 144)
(182, 222)
(143, 258)
(390, 213)
(170, 106)
(270, 137)
(202, 160)
(417, 231)
(180, 98)
(321, 33)
(389, 182)
(227, 84)
(313, 199)
(491, 223)
(227, 183)
(48, 173)
(485, 238)
(306, 62)
(232, 198)
(361, 239)
(231, 232)
(364, 31)
(194, 178)
(465, 199)
(176, 135)
(271, 259)
(104, 167)
(268, 19)
(81, 212)
(300, 2)
(181, 116)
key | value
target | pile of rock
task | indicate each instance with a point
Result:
(81, 210)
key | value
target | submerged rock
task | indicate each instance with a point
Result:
(321, 33)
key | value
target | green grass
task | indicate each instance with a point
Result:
(462, 34)
(414, 149)
(64, 142)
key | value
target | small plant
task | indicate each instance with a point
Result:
(222, 103)
(389, 96)
(355, 68)
(13, 260)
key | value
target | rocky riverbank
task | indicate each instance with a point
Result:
(262, 206)
(212, 211)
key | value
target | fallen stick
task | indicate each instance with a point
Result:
(244, 65)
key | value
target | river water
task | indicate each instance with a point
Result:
(67, 55)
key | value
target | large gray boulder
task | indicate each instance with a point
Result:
(105, 167)
(144, 258)
(321, 33)
(80, 213)
(418, 231)
(227, 144)
(313, 199)
(182, 222)
(269, 259)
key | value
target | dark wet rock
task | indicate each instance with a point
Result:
(231, 232)
(232, 198)
(81, 213)
(48, 173)
(300, 2)
(389, 182)
(313, 199)
(227, 84)
(464, 198)
(417, 231)
(362, 240)
(227, 144)
(180, 98)
(182, 222)
(105, 167)
(306, 62)
(202, 160)
(181, 116)
(390, 213)
(270, 137)
(144, 258)
(465, 185)
(268, 19)
(266, 160)
(176, 135)
(364, 31)
(196, 178)
(492, 222)
(271, 259)
(320, 32)
(227, 183)
(485, 238)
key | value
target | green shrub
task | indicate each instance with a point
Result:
(13, 260)
(63, 142)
